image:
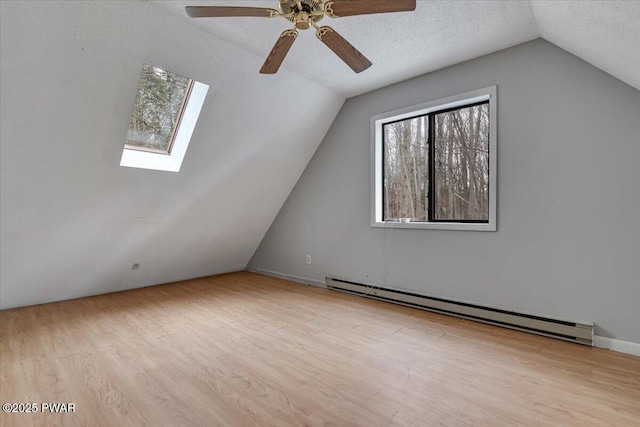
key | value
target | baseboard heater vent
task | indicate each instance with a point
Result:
(578, 332)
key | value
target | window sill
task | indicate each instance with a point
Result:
(457, 226)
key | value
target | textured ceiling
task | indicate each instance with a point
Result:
(604, 33)
(438, 34)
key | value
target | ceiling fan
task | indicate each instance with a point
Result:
(305, 14)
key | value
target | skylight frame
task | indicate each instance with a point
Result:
(160, 160)
(175, 128)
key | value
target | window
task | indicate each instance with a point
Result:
(164, 115)
(157, 110)
(434, 164)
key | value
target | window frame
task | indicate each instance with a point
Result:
(171, 161)
(176, 126)
(488, 94)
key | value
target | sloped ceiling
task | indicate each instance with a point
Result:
(604, 33)
(73, 221)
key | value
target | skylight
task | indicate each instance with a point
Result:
(164, 116)
(156, 113)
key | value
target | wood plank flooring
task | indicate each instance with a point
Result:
(248, 350)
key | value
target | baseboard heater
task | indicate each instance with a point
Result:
(578, 332)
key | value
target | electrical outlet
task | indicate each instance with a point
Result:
(308, 259)
(135, 266)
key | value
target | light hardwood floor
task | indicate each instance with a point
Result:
(243, 350)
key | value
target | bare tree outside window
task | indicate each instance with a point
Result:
(406, 169)
(462, 164)
(159, 104)
(443, 155)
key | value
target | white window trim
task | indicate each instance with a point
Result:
(488, 93)
(171, 162)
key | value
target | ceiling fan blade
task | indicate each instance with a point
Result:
(349, 54)
(222, 11)
(339, 8)
(279, 51)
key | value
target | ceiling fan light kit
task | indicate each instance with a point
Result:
(306, 14)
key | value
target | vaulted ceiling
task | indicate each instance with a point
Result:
(438, 34)
(73, 221)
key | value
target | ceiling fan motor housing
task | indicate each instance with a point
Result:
(302, 17)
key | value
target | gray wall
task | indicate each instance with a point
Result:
(568, 239)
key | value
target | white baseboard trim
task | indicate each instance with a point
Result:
(617, 345)
(306, 281)
(627, 347)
